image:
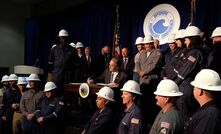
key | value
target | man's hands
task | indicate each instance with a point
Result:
(113, 85)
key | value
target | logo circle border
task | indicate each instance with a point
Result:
(173, 28)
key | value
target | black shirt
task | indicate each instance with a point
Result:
(101, 122)
(207, 120)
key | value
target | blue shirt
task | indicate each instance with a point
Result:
(131, 122)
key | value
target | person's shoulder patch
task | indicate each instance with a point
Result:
(135, 121)
(191, 58)
(165, 125)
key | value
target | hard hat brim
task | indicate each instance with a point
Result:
(47, 90)
(33, 80)
(22, 83)
(177, 94)
(205, 87)
(131, 91)
(107, 98)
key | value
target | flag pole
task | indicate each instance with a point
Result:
(115, 48)
(193, 12)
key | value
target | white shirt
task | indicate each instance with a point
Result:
(115, 75)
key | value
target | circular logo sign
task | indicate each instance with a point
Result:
(161, 21)
(84, 90)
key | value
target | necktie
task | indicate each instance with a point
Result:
(125, 63)
(88, 61)
(112, 77)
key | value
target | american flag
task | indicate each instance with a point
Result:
(116, 45)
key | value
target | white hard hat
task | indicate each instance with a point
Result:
(78, 45)
(106, 93)
(171, 39)
(139, 40)
(216, 32)
(72, 44)
(148, 39)
(4, 78)
(168, 88)
(22, 81)
(12, 77)
(132, 87)
(180, 34)
(192, 31)
(207, 79)
(63, 32)
(49, 86)
(33, 77)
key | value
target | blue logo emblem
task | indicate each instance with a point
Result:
(162, 21)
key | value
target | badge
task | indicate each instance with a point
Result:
(135, 121)
(163, 131)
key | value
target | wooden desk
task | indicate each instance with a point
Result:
(74, 100)
(81, 109)
(74, 87)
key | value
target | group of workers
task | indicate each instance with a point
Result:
(206, 120)
(29, 109)
(156, 92)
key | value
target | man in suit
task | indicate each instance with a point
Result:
(115, 79)
(104, 59)
(149, 71)
(89, 64)
(149, 61)
(127, 63)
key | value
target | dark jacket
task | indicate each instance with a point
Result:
(101, 123)
(129, 67)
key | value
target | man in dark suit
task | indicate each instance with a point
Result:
(115, 79)
(104, 59)
(89, 64)
(127, 63)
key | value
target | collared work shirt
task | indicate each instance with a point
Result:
(29, 101)
(131, 122)
(169, 122)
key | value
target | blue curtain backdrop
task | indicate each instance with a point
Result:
(92, 23)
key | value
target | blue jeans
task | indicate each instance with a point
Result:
(136, 77)
(30, 127)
